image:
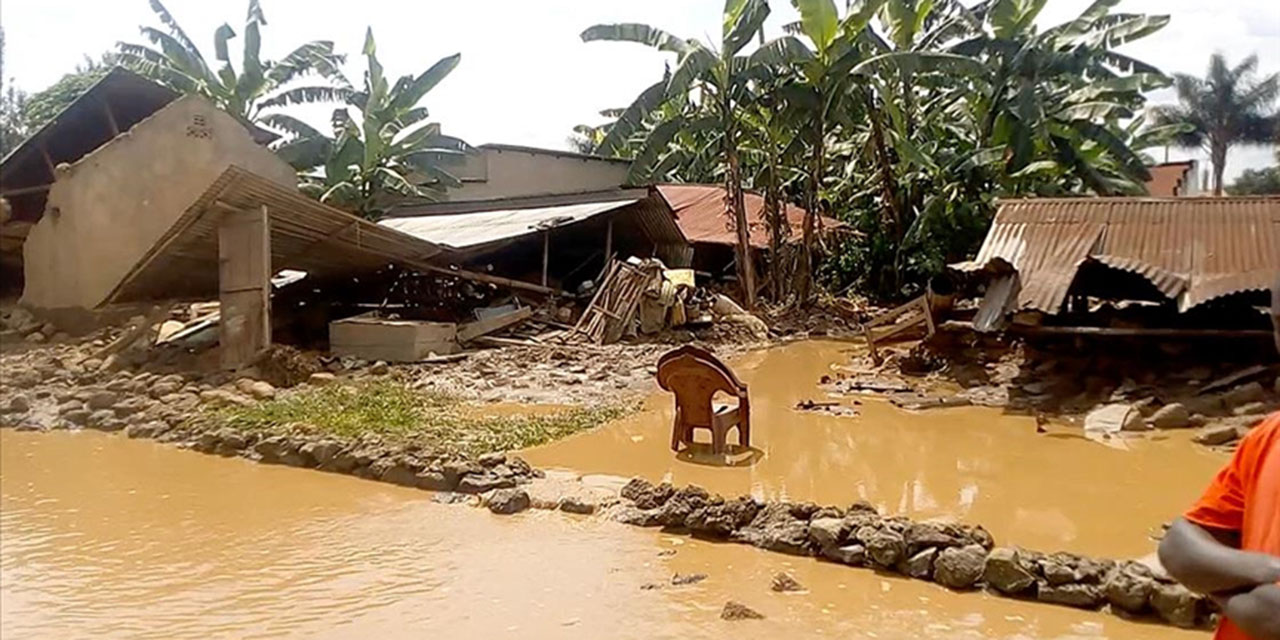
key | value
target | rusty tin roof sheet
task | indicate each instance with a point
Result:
(703, 217)
(1192, 249)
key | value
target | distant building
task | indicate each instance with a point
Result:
(1170, 179)
(507, 171)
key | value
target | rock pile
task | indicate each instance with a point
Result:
(957, 556)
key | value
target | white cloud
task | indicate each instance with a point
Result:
(526, 77)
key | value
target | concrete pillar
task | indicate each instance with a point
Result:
(244, 286)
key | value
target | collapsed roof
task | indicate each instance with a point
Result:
(306, 235)
(704, 218)
(1192, 250)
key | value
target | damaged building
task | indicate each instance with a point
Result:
(1128, 266)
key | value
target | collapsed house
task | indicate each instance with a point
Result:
(1169, 179)
(1129, 266)
(169, 157)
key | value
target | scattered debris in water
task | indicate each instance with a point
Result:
(737, 611)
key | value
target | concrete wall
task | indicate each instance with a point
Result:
(503, 173)
(108, 209)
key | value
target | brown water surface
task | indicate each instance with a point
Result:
(1054, 491)
(106, 537)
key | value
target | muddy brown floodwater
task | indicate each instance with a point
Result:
(106, 537)
(1055, 491)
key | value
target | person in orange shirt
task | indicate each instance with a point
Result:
(1228, 544)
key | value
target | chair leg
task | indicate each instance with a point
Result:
(718, 437)
(677, 431)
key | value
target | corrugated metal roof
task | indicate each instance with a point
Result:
(305, 235)
(700, 209)
(1192, 249)
(464, 230)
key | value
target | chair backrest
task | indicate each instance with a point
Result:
(694, 375)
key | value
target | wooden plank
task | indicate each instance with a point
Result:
(473, 330)
(244, 285)
(546, 254)
(498, 280)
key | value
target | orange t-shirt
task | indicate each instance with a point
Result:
(1245, 497)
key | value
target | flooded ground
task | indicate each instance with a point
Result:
(106, 537)
(1054, 491)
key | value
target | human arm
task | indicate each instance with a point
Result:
(1204, 560)
(1256, 611)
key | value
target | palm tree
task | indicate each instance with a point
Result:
(385, 154)
(1227, 107)
(258, 85)
(713, 80)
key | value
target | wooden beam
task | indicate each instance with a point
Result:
(48, 161)
(40, 188)
(546, 254)
(498, 280)
(111, 119)
(473, 330)
(608, 239)
(319, 242)
(244, 285)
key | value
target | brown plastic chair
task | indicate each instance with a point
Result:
(694, 375)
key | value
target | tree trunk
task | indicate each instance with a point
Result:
(774, 215)
(812, 201)
(1218, 156)
(733, 191)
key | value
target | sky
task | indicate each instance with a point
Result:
(525, 76)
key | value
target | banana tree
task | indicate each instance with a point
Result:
(387, 154)
(714, 79)
(174, 60)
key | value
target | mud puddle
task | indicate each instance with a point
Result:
(105, 537)
(1047, 491)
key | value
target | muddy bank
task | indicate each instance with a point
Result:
(98, 527)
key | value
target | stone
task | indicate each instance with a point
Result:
(1216, 434)
(257, 389)
(98, 417)
(1113, 418)
(686, 506)
(432, 480)
(1057, 573)
(19, 403)
(1251, 408)
(825, 533)
(722, 519)
(399, 474)
(776, 528)
(1129, 587)
(854, 555)
(1004, 571)
(77, 417)
(224, 398)
(111, 424)
(163, 387)
(455, 470)
(492, 459)
(321, 379)
(1244, 394)
(1086, 596)
(379, 368)
(629, 514)
(102, 400)
(35, 338)
(1171, 416)
(783, 582)
(920, 565)
(921, 535)
(130, 406)
(508, 501)
(321, 453)
(578, 505)
(722, 305)
(481, 483)
(737, 611)
(886, 548)
(960, 567)
(1175, 604)
(681, 579)
(150, 429)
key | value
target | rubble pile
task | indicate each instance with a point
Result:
(957, 556)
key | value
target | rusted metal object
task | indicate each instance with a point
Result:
(1192, 249)
(694, 375)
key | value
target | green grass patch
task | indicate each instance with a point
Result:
(433, 420)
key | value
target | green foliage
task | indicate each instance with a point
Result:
(906, 119)
(43, 105)
(13, 103)
(1229, 106)
(396, 412)
(1257, 182)
(173, 59)
(389, 153)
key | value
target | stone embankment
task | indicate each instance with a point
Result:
(959, 557)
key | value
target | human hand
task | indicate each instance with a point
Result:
(1256, 611)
